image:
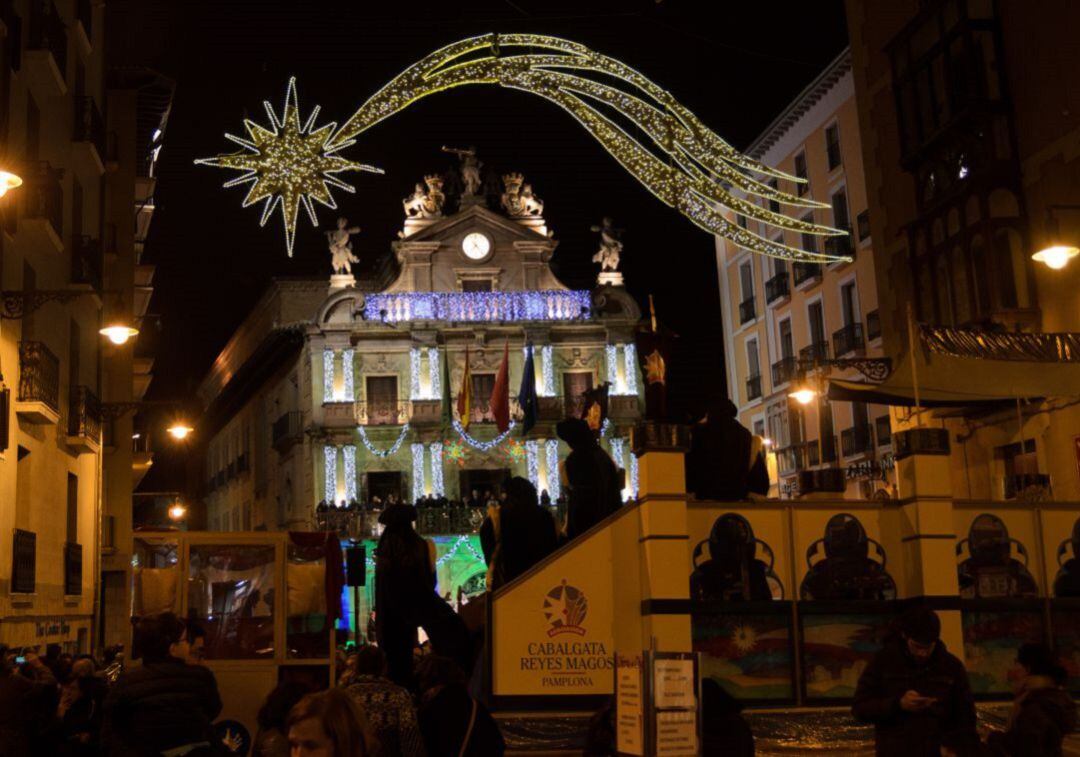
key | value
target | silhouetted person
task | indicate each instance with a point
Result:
(593, 482)
(525, 533)
(1067, 582)
(272, 738)
(914, 691)
(725, 732)
(725, 462)
(1043, 713)
(453, 724)
(389, 707)
(27, 700)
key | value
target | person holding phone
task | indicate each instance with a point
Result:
(28, 695)
(914, 691)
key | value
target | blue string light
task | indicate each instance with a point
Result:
(545, 305)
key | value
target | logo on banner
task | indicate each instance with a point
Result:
(565, 608)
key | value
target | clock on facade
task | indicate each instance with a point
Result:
(476, 246)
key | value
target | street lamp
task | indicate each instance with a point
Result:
(1056, 254)
(804, 395)
(9, 180)
(118, 333)
(177, 511)
(180, 431)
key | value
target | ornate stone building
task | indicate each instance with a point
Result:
(337, 394)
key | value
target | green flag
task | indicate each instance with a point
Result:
(447, 391)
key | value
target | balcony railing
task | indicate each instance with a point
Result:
(43, 196)
(802, 272)
(815, 352)
(777, 287)
(287, 430)
(86, 262)
(753, 388)
(746, 310)
(848, 339)
(856, 440)
(784, 370)
(39, 375)
(839, 245)
(84, 419)
(47, 32)
(883, 430)
(382, 412)
(873, 325)
(547, 305)
(89, 126)
(72, 569)
(24, 562)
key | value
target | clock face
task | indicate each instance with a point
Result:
(476, 246)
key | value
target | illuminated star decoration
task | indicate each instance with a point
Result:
(289, 164)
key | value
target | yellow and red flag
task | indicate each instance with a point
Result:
(464, 400)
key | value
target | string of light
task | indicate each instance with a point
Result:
(383, 452)
(480, 445)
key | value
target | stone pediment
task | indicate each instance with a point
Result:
(477, 216)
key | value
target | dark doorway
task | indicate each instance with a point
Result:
(485, 481)
(382, 484)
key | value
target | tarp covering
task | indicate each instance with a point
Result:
(960, 367)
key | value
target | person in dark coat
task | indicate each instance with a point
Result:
(1043, 713)
(526, 533)
(164, 704)
(405, 598)
(725, 732)
(452, 723)
(593, 482)
(27, 702)
(726, 462)
(914, 691)
(80, 709)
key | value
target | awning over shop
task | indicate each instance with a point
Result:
(967, 367)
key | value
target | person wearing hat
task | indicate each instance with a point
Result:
(593, 481)
(914, 691)
(726, 462)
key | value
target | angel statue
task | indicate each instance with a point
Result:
(470, 169)
(341, 254)
(610, 245)
(414, 203)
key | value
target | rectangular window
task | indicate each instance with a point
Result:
(787, 348)
(841, 219)
(753, 367)
(862, 221)
(860, 415)
(849, 303)
(741, 220)
(759, 427)
(72, 508)
(746, 280)
(800, 172)
(476, 285)
(809, 241)
(574, 387)
(779, 265)
(832, 146)
(816, 315)
(382, 400)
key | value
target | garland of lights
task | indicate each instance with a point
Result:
(437, 485)
(551, 462)
(329, 473)
(542, 305)
(434, 376)
(532, 462)
(699, 174)
(417, 471)
(349, 454)
(476, 443)
(630, 365)
(548, 370)
(611, 358)
(328, 375)
(414, 373)
(347, 375)
(380, 452)
(462, 541)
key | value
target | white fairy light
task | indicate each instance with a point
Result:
(438, 487)
(414, 373)
(349, 453)
(481, 445)
(347, 367)
(630, 366)
(383, 452)
(329, 474)
(417, 471)
(633, 476)
(611, 355)
(547, 353)
(532, 462)
(551, 462)
(434, 373)
(328, 375)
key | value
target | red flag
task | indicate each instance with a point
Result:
(464, 400)
(500, 395)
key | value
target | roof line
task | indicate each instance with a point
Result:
(805, 100)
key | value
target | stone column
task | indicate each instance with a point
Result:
(927, 528)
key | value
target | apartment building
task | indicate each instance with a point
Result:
(784, 322)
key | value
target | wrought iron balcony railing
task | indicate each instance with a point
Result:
(89, 126)
(873, 325)
(753, 388)
(746, 310)
(73, 569)
(856, 440)
(784, 370)
(815, 352)
(547, 305)
(840, 245)
(848, 339)
(802, 272)
(39, 375)
(47, 32)
(778, 287)
(287, 430)
(87, 262)
(43, 196)
(382, 412)
(84, 418)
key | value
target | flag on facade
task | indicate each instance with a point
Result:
(447, 391)
(527, 394)
(500, 394)
(595, 406)
(464, 400)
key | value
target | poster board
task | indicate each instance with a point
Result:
(629, 705)
(657, 704)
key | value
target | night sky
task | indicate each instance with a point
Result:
(213, 261)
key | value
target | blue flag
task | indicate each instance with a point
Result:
(527, 396)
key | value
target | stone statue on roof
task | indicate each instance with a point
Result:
(341, 254)
(470, 169)
(426, 204)
(610, 245)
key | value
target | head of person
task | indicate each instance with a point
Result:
(434, 672)
(197, 642)
(159, 637)
(721, 409)
(920, 629)
(576, 433)
(83, 667)
(521, 493)
(370, 661)
(1036, 660)
(329, 724)
(279, 702)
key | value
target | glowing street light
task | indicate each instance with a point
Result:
(180, 431)
(804, 395)
(177, 511)
(118, 333)
(1057, 253)
(8, 180)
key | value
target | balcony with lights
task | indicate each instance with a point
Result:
(479, 307)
